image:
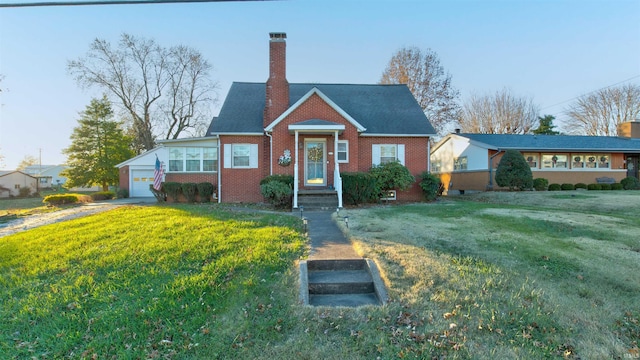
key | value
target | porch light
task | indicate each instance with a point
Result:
(346, 221)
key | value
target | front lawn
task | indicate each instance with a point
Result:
(493, 276)
(144, 282)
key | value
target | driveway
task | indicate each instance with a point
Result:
(33, 221)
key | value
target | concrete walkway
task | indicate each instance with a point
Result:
(327, 240)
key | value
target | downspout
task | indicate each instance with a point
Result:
(490, 186)
(270, 152)
(219, 175)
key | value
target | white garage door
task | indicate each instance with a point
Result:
(140, 184)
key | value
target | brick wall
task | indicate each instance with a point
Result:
(123, 182)
(242, 185)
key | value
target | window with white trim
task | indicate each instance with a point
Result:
(554, 161)
(460, 163)
(577, 161)
(176, 159)
(436, 166)
(597, 161)
(384, 153)
(209, 159)
(343, 151)
(532, 160)
(240, 156)
(193, 159)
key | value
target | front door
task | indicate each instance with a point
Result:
(632, 166)
(315, 173)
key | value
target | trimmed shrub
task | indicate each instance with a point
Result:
(284, 178)
(103, 195)
(616, 186)
(391, 176)
(554, 187)
(567, 186)
(205, 191)
(605, 186)
(358, 187)
(630, 183)
(122, 193)
(277, 193)
(189, 190)
(430, 185)
(514, 172)
(61, 199)
(540, 184)
(581, 186)
(594, 187)
(172, 189)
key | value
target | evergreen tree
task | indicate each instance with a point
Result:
(97, 145)
(546, 126)
(514, 172)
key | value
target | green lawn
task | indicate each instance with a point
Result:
(520, 276)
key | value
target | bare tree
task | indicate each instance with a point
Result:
(428, 82)
(500, 113)
(28, 160)
(148, 82)
(601, 112)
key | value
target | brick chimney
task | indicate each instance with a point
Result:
(277, 100)
(629, 129)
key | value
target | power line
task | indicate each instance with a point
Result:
(112, 2)
(591, 92)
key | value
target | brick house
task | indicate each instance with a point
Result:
(468, 161)
(324, 129)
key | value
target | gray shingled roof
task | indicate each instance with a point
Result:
(381, 109)
(556, 142)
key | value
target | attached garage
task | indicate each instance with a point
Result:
(140, 181)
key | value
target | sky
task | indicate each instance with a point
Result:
(552, 51)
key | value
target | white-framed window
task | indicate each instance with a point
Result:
(44, 180)
(532, 160)
(554, 161)
(577, 161)
(436, 166)
(209, 159)
(193, 159)
(241, 156)
(460, 163)
(597, 161)
(384, 153)
(343, 151)
(176, 159)
(16, 186)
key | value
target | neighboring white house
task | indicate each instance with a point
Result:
(11, 181)
(48, 175)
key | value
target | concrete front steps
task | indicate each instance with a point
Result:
(312, 200)
(351, 283)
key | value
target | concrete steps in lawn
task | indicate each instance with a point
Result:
(313, 200)
(336, 282)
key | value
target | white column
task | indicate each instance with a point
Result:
(337, 179)
(295, 175)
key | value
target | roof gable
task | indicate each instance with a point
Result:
(326, 99)
(379, 109)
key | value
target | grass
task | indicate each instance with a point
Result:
(519, 276)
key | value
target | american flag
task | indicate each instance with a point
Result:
(157, 175)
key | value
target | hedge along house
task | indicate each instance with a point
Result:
(468, 161)
(314, 132)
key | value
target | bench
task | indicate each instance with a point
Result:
(605, 180)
